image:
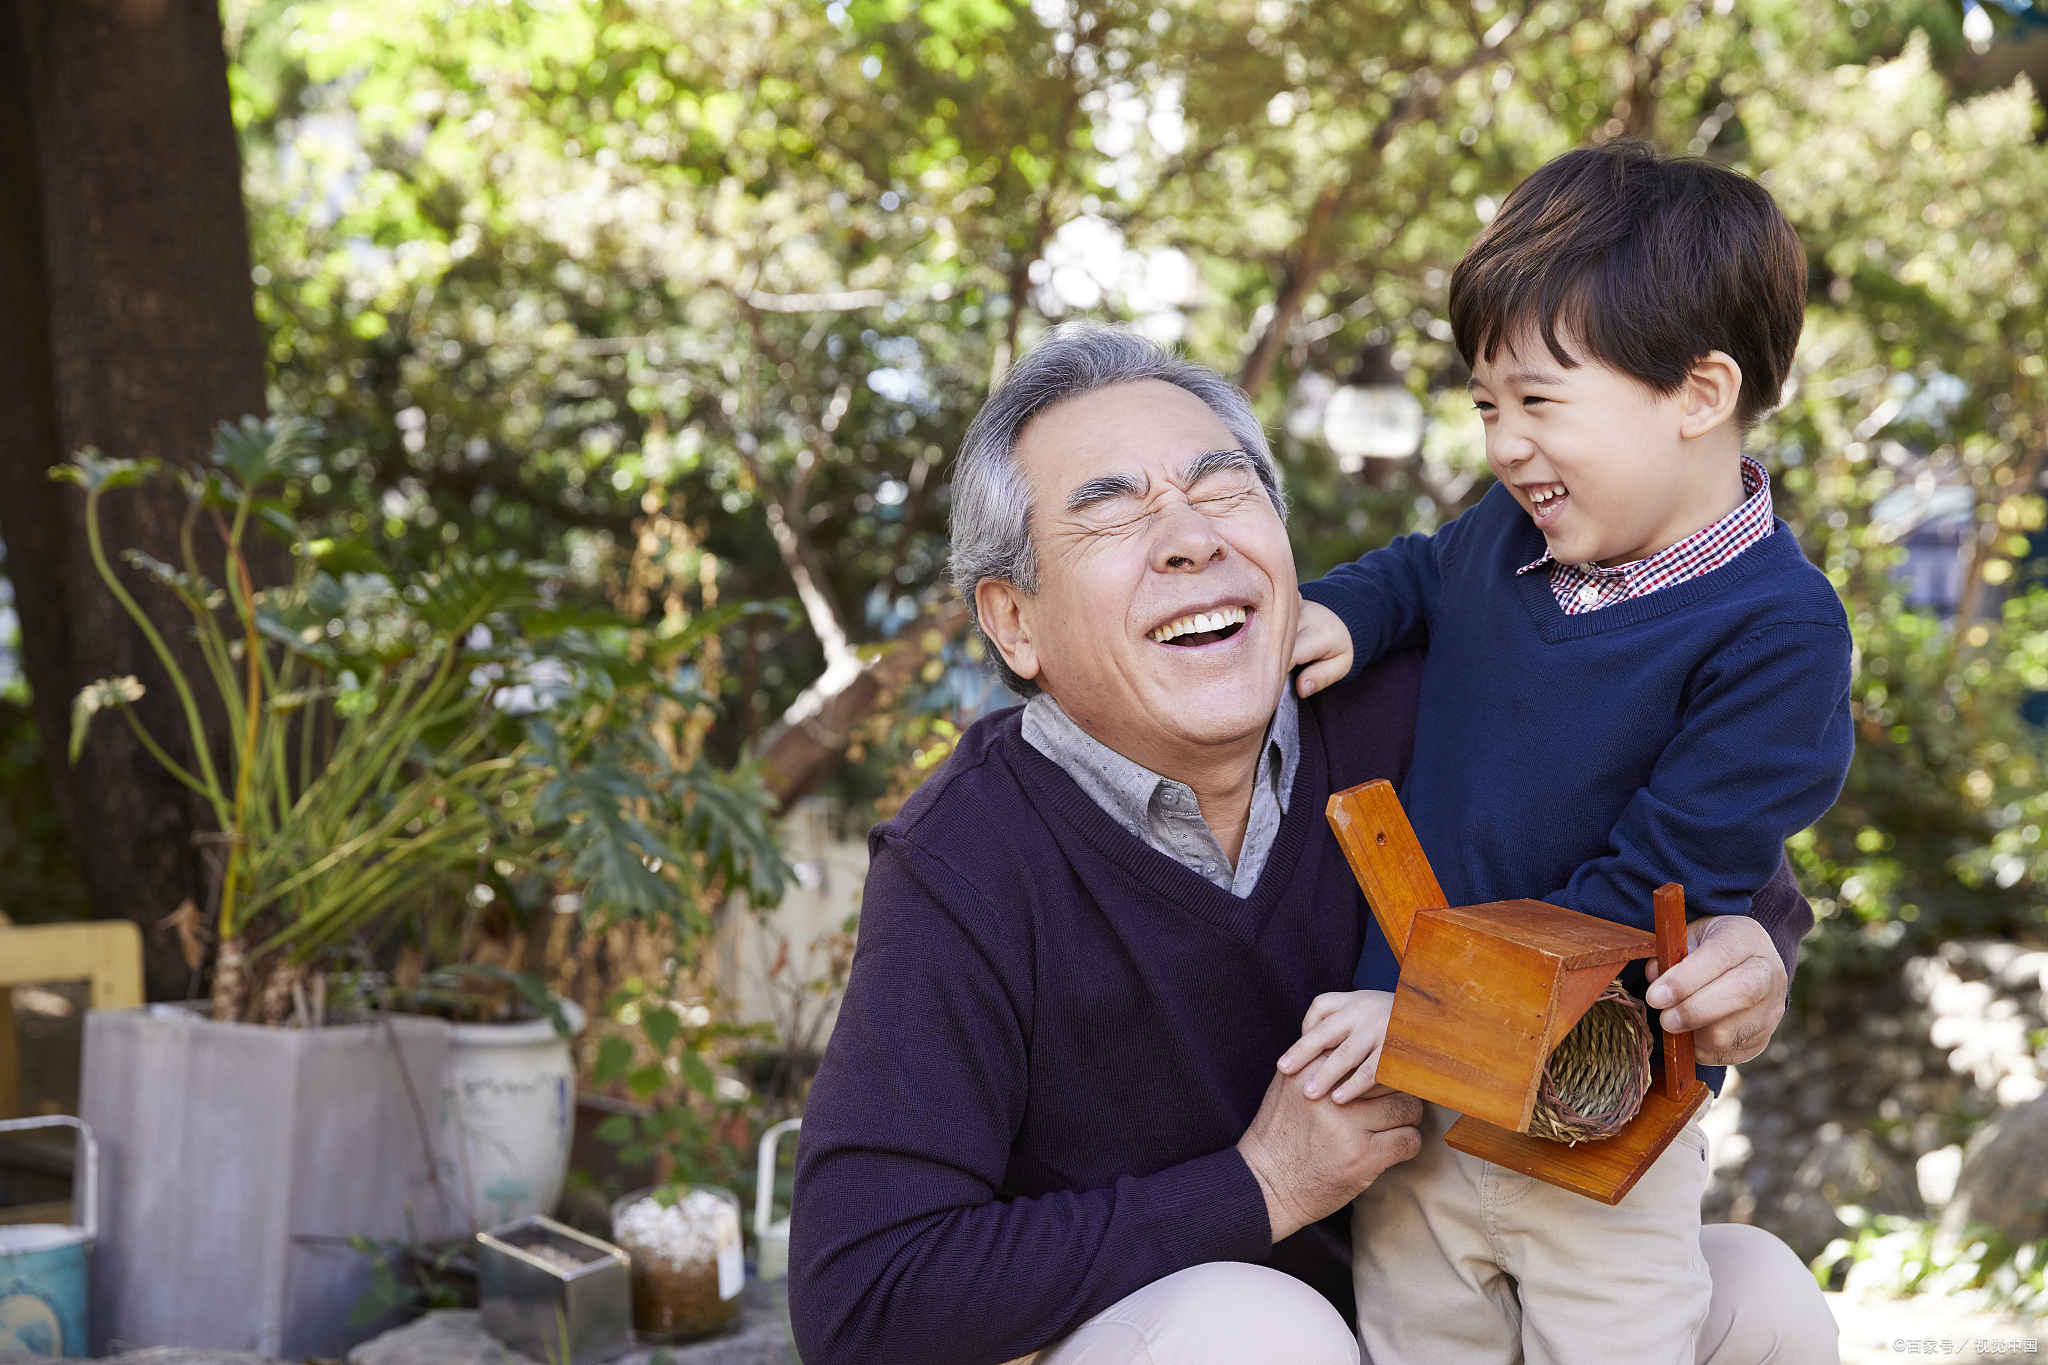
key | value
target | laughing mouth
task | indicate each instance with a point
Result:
(1202, 627)
(1546, 500)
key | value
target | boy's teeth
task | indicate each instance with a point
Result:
(1198, 622)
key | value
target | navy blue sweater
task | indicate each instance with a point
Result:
(1054, 1037)
(1586, 760)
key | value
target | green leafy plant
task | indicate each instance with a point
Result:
(409, 1277)
(665, 1062)
(1899, 1255)
(392, 745)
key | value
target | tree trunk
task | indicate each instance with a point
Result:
(125, 323)
(800, 748)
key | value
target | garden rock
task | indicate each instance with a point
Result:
(156, 1355)
(2004, 1180)
(1913, 1062)
(1843, 1168)
(457, 1337)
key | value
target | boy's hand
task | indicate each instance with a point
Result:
(1321, 642)
(1344, 1029)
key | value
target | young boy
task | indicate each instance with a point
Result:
(1634, 676)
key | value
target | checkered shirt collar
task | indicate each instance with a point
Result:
(1701, 552)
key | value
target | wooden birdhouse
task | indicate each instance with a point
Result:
(1487, 993)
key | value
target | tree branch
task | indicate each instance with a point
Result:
(801, 747)
(1417, 101)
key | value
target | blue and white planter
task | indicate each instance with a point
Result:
(45, 1268)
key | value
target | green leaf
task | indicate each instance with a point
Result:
(347, 554)
(283, 523)
(697, 1073)
(458, 596)
(614, 1055)
(646, 1080)
(662, 1027)
(593, 815)
(615, 1129)
(781, 610)
(91, 470)
(194, 591)
(256, 450)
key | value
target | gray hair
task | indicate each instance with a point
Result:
(991, 517)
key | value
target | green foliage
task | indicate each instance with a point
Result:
(1898, 1255)
(375, 758)
(406, 1277)
(663, 1056)
(544, 269)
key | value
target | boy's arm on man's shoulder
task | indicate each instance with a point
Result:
(1385, 598)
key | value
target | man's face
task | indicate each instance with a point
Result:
(1142, 521)
(1598, 460)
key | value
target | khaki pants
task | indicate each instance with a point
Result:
(1766, 1310)
(1454, 1258)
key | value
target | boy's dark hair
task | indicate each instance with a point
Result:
(1648, 261)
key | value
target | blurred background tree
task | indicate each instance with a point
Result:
(695, 298)
(125, 322)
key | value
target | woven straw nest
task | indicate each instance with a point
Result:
(1596, 1078)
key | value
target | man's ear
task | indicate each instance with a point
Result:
(1711, 393)
(1002, 610)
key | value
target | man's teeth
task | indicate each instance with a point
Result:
(1544, 495)
(1199, 622)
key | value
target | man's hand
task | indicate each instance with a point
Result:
(1341, 1035)
(1730, 990)
(1322, 642)
(1311, 1157)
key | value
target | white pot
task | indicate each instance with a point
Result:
(236, 1160)
(506, 1116)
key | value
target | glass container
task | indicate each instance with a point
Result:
(688, 1271)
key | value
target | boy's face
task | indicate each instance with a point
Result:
(1609, 470)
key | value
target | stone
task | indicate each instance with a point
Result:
(1936, 1174)
(1916, 1059)
(1843, 1168)
(2004, 1178)
(457, 1337)
(156, 1355)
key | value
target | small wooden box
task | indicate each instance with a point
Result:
(1487, 991)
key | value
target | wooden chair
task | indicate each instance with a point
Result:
(1487, 991)
(106, 954)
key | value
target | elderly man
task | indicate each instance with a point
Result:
(1049, 1125)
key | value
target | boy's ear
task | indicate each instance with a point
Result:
(1711, 393)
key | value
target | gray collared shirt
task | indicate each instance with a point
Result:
(1163, 812)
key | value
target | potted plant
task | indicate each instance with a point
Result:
(386, 754)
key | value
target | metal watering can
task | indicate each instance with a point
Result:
(771, 1237)
(43, 1266)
